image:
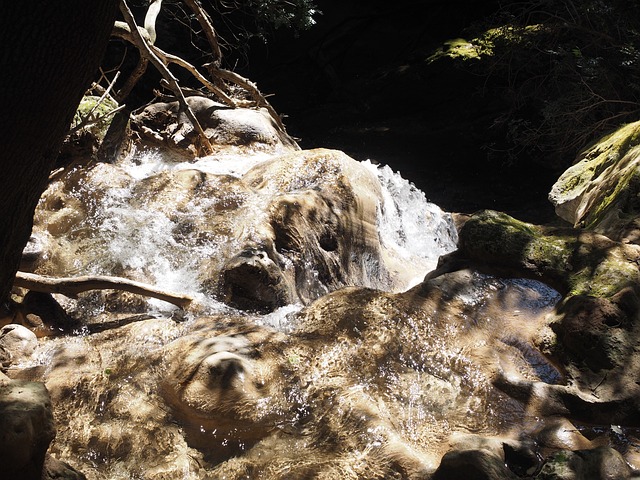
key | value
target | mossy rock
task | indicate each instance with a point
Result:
(572, 261)
(96, 114)
(601, 192)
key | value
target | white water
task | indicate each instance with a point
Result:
(432, 374)
(417, 231)
(141, 243)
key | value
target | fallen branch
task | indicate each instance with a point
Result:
(72, 286)
(145, 50)
(250, 87)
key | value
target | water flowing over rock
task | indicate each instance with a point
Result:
(341, 327)
(287, 230)
(365, 383)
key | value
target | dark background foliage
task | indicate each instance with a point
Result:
(494, 131)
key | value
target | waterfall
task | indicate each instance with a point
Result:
(147, 244)
(356, 377)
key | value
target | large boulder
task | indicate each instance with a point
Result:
(363, 384)
(594, 332)
(165, 124)
(288, 230)
(320, 232)
(600, 191)
(18, 342)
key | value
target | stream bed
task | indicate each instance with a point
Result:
(314, 347)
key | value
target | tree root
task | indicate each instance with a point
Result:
(72, 286)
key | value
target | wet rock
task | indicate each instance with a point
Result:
(215, 390)
(56, 470)
(594, 330)
(18, 342)
(252, 281)
(603, 463)
(32, 252)
(229, 396)
(321, 232)
(475, 464)
(163, 124)
(42, 313)
(26, 429)
(561, 434)
(291, 229)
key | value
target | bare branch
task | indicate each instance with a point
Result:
(73, 286)
(85, 121)
(168, 58)
(250, 87)
(150, 20)
(133, 79)
(207, 26)
(146, 51)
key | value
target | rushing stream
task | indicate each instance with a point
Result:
(351, 382)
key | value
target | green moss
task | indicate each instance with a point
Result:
(616, 201)
(571, 261)
(485, 44)
(457, 48)
(95, 115)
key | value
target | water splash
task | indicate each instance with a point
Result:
(417, 231)
(137, 238)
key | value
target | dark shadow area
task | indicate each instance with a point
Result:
(359, 81)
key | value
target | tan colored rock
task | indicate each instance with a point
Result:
(600, 191)
(19, 341)
(288, 231)
(228, 129)
(365, 385)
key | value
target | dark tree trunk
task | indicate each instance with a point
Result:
(49, 51)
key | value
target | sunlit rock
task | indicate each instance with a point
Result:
(18, 341)
(600, 191)
(319, 232)
(287, 231)
(217, 388)
(163, 124)
(364, 384)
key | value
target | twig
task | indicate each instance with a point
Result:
(84, 122)
(72, 286)
(146, 51)
(207, 26)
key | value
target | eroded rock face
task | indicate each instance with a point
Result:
(287, 231)
(321, 232)
(223, 396)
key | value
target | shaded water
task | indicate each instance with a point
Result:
(360, 384)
